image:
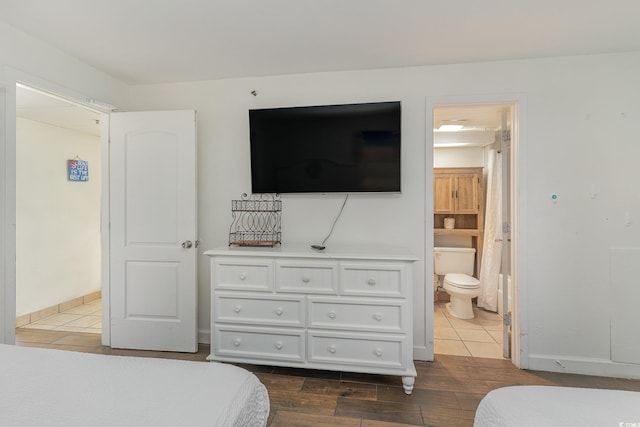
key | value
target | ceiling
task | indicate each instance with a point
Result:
(472, 117)
(147, 41)
(34, 105)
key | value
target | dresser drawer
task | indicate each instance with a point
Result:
(352, 349)
(259, 343)
(352, 314)
(258, 309)
(242, 274)
(316, 277)
(369, 279)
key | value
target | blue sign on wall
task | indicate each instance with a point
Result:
(78, 170)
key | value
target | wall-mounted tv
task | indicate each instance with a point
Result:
(326, 149)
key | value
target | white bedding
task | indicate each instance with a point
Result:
(558, 406)
(41, 387)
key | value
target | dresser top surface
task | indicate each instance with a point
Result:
(363, 252)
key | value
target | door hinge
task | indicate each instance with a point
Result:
(506, 320)
(506, 227)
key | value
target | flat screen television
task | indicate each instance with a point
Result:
(326, 149)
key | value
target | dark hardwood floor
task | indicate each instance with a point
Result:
(447, 391)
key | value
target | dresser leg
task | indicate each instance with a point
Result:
(407, 383)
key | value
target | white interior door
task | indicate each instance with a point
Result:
(153, 259)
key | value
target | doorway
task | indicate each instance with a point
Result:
(475, 139)
(58, 213)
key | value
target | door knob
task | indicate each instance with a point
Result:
(187, 244)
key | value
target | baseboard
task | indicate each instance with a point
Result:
(583, 366)
(421, 353)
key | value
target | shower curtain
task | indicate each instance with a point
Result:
(492, 248)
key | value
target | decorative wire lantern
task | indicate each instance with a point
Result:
(256, 220)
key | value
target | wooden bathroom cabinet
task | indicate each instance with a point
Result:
(458, 193)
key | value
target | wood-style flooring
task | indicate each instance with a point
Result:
(447, 390)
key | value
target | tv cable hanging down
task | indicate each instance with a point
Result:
(321, 246)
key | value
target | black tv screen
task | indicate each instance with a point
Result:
(326, 149)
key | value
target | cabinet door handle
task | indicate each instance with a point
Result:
(278, 345)
(279, 311)
(377, 316)
(237, 309)
(306, 279)
(332, 314)
(332, 349)
(371, 281)
(237, 342)
(243, 276)
(378, 352)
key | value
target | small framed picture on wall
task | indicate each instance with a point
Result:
(78, 170)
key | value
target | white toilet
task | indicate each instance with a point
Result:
(456, 265)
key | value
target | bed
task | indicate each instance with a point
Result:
(558, 406)
(65, 388)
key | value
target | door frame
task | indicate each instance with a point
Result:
(8, 261)
(518, 103)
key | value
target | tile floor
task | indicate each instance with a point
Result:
(81, 318)
(477, 337)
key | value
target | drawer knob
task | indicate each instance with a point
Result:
(243, 276)
(377, 316)
(237, 342)
(371, 281)
(332, 349)
(237, 308)
(306, 279)
(332, 314)
(378, 352)
(279, 311)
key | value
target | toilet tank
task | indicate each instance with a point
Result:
(453, 260)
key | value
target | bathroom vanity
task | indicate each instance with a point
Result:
(344, 309)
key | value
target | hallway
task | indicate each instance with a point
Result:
(81, 318)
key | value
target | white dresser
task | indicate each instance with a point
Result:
(344, 309)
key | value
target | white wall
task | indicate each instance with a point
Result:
(579, 127)
(58, 221)
(224, 174)
(463, 157)
(24, 58)
(26, 55)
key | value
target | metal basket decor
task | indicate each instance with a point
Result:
(256, 220)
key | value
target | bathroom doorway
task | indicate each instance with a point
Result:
(58, 213)
(475, 139)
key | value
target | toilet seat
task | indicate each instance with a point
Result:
(462, 281)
